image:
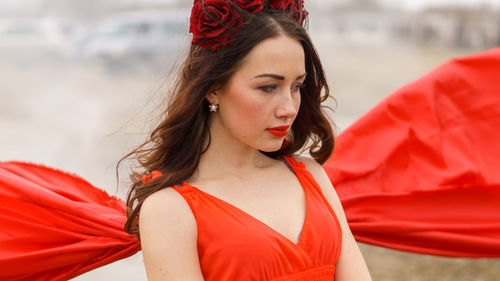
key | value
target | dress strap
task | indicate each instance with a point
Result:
(183, 189)
(292, 163)
(287, 164)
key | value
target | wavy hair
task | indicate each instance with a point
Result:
(176, 144)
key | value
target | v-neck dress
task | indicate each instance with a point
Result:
(233, 245)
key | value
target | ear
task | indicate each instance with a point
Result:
(213, 96)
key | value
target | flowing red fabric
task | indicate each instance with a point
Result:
(420, 172)
(56, 226)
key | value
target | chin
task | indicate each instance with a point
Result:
(271, 147)
(270, 150)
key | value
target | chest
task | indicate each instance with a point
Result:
(279, 205)
(234, 245)
(262, 229)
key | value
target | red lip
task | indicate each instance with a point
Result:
(279, 131)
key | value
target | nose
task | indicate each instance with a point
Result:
(288, 105)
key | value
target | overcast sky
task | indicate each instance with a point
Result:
(28, 7)
(417, 4)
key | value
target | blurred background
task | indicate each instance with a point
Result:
(83, 82)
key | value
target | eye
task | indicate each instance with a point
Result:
(299, 86)
(268, 88)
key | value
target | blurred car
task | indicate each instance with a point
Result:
(29, 39)
(144, 36)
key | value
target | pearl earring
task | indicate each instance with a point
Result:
(213, 107)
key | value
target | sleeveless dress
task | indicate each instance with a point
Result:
(233, 245)
(401, 187)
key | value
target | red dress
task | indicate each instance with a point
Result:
(233, 245)
(419, 173)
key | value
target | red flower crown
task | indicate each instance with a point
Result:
(214, 22)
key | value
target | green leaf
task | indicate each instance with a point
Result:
(221, 51)
(249, 20)
(266, 3)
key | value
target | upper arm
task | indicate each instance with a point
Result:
(351, 265)
(169, 238)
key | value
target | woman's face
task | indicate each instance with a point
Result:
(261, 100)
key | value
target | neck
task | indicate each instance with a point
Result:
(228, 156)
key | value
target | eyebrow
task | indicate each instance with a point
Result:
(277, 77)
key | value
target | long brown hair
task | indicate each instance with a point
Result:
(175, 146)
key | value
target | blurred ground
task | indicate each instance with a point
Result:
(82, 117)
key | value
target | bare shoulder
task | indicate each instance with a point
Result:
(169, 237)
(166, 204)
(315, 169)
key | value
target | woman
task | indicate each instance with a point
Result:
(417, 173)
(229, 200)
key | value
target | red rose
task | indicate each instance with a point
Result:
(252, 6)
(279, 4)
(213, 23)
(298, 12)
(295, 7)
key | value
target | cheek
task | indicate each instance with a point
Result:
(297, 101)
(246, 108)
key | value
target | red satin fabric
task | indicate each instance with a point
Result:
(56, 226)
(420, 172)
